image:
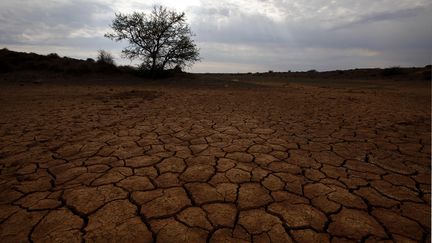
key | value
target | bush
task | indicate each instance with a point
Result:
(53, 55)
(153, 74)
(90, 60)
(392, 71)
(127, 69)
(105, 57)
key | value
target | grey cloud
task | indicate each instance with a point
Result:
(55, 21)
(388, 16)
(240, 28)
(261, 35)
(261, 30)
(214, 12)
(382, 39)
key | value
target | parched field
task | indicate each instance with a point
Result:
(229, 163)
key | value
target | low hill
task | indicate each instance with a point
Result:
(391, 73)
(11, 61)
(21, 66)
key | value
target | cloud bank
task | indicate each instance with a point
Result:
(240, 36)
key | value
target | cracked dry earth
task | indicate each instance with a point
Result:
(168, 164)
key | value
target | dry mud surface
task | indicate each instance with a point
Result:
(139, 163)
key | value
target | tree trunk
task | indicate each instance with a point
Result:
(153, 68)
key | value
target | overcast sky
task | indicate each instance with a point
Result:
(242, 35)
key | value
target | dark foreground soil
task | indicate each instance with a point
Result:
(236, 162)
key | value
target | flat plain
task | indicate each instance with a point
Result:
(233, 161)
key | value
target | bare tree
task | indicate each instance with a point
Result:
(160, 39)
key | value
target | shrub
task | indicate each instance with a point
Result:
(177, 69)
(53, 55)
(128, 69)
(105, 57)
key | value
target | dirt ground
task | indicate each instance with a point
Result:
(235, 162)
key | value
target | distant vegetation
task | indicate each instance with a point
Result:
(11, 61)
(105, 58)
(15, 64)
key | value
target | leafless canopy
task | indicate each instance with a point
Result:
(161, 39)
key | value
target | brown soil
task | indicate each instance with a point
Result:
(237, 162)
